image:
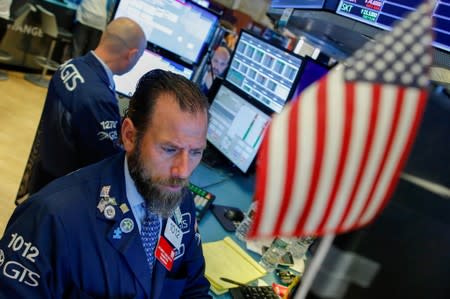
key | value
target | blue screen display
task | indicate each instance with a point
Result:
(184, 29)
(312, 71)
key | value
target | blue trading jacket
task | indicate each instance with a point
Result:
(80, 121)
(58, 244)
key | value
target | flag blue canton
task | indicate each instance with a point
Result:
(400, 57)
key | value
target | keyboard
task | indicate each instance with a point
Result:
(253, 292)
(202, 200)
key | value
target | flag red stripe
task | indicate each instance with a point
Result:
(348, 122)
(408, 145)
(261, 181)
(291, 165)
(376, 90)
(319, 154)
(387, 149)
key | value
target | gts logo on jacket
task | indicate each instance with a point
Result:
(70, 75)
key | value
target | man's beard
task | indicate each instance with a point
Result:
(158, 201)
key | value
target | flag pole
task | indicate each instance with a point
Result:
(313, 268)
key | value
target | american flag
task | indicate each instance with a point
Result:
(331, 160)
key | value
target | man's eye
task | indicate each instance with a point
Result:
(169, 149)
(197, 153)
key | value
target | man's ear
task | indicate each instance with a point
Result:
(132, 54)
(128, 132)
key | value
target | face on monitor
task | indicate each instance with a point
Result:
(126, 83)
(236, 127)
(265, 72)
(184, 29)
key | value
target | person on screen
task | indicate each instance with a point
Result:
(219, 63)
(80, 122)
(124, 227)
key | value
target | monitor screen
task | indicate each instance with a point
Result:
(236, 127)
(184, 29)
(311, 72)
(126, 83)
(263, 71)
(382, 14)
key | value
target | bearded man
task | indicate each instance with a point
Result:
(123, 227)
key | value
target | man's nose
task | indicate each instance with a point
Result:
(180, 168)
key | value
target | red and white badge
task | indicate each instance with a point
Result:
(164, 253)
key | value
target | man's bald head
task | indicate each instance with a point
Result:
(220, 60)
(121, 45)
(123, 32)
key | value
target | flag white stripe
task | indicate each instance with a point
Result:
(406, 122)
(360, 127)
(275, 172)
(306, 152)
(382, 129)
(332, 148)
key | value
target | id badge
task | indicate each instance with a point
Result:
(173, 233)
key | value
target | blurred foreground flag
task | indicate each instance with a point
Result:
(331, 160)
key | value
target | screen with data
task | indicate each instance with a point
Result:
(184, 29)
(126, 83)
(236, 127)
(263, 71)
(383, 14)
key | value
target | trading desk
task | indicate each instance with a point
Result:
(234, 190)
(230, 189)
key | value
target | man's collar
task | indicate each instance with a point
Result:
(107, 70)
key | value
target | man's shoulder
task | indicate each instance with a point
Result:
(72, 191)
(85, 69)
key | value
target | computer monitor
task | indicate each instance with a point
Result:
(382, 14)
(311, 72)
(236, 127)
(179, 27)
(126, 83)
(264, 71)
